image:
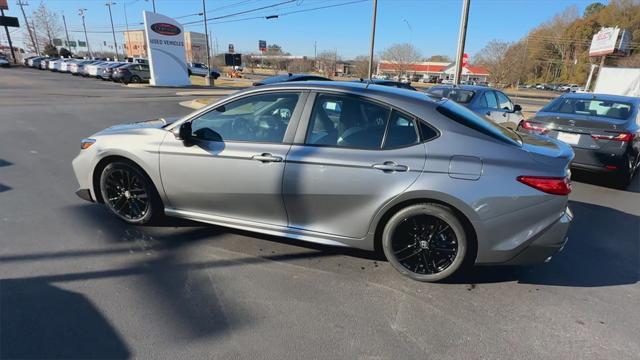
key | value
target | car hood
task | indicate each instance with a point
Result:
(133, 127)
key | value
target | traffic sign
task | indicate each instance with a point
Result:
(262, 45)
(231, 49)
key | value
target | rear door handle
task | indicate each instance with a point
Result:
(266, 157)
(391, 166)
(488, 113)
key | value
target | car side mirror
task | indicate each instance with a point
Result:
(185, 132)
(517, 108)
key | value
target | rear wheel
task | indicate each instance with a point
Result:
(129, 193)
(623, 178)
(135, 79)
(425, 242)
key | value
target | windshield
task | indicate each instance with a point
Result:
(458, 95)
(591, 107)
(468, 118)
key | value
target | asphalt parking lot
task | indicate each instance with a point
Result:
(76, 282)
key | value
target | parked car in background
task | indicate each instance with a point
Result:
(34, 61)
(4, 62)
(603, 131)
(569, 88)
(486, 196)
(484, 101)
(392, 83)
(132, 73)
(541, 86)
(107, 72)
(290, 77)
(95, 69)
(64, 65)
(200, 69)
(446, 82)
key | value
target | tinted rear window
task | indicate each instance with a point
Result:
(458, 95)
(591, 107)
(470, 119)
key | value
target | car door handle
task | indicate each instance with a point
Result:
(266, 157)
(390, 166)
(488, 113)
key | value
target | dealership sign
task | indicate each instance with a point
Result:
(165, 41)
(608, 41)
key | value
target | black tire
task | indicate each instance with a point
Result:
(189, 72)
(623, 178)
(130, 194)
(135, 79)
(436, 249)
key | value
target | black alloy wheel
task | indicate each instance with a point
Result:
(129, 194)
(426, 242)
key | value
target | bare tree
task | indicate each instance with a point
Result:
(46, 22)
(499, 58)
(361, 66)
(401, 56)
(439, 58)
(327, 61)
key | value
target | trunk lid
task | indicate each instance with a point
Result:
(579, 130)
(548, 151)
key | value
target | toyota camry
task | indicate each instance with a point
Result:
(430, 183)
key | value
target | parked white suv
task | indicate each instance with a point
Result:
(200, 69)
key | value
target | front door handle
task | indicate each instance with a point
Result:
(389, 166)
(488, 113)
(266, 157)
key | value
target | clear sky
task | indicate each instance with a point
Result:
(430, 25)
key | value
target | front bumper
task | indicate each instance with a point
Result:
(546, 244)
(84, 194)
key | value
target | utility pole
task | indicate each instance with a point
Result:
(84, 26)
(462, 36)
(206, 34)
(26, 22)
(373, 36)
(35, 35)
(115, 44)
(128, 37)
(6, 29)
(153, 2)
(66, 32)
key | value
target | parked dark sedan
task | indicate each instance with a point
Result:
(289, 77)
(131, 73)
(602, 129)
(484, 101)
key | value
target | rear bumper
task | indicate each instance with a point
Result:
(541, 248)
(598, 160)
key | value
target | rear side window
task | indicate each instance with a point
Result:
(488, 100)
(591, 107)
(458, 95)
(469, 119)
(401, 131)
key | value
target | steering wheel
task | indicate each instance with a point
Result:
(241, 127)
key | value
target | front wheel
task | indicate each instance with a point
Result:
(135, 80)
(425, 242)
(129, 193)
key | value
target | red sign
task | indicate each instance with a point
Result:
(165, 29)
(4, 5)
(465, 60)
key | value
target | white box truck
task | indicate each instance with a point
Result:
(618, 81)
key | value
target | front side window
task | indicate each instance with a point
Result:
(489, 100)
(503, 100)
(257, 118)
(346, 121)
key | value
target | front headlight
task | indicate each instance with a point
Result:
(86, 143)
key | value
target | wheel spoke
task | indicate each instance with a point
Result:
(410, 255)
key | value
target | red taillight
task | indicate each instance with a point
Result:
(623, 136)
(548, 184)
(533, 126)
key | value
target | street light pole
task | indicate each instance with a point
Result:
(206, 34)
(115, 44)
(26, 22)
(66, 32)
(84, 26)
(462, 36)
(373, 37)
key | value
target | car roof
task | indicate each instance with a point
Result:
(379, 92)
(286, 77)
(606, 97)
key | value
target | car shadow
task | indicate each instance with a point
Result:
(603, 250)
(604, 180)
(41, 321)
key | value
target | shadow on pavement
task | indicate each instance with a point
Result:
(605, 180)
(603, 250)
(42, 321)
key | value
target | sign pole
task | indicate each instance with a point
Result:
(13, 53)
(115, 44)
(206, 34)
(373, 37)
(462, 36)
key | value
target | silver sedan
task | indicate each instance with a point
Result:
(431, 184)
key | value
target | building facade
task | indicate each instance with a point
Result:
(195, 45)
(433, 72)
